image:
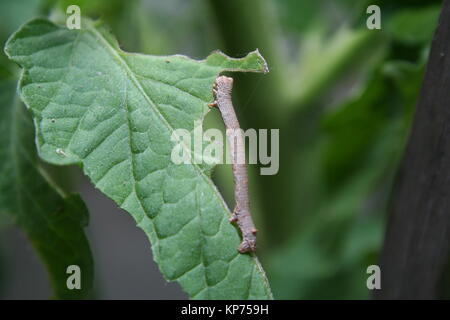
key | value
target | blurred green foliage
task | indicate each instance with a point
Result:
(341, 95)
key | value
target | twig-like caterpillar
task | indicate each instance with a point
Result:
(241, 213)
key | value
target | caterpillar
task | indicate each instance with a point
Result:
(241, 214)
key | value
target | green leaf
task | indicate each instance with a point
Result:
(113, 113)
(52, 221)
(414, 26)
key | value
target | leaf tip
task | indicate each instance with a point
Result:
(31, 28)
(265, 67)
(252, 62)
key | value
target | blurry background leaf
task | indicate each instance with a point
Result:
(12, 15)
(53, 221)
(360, 143)
(414, 26)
